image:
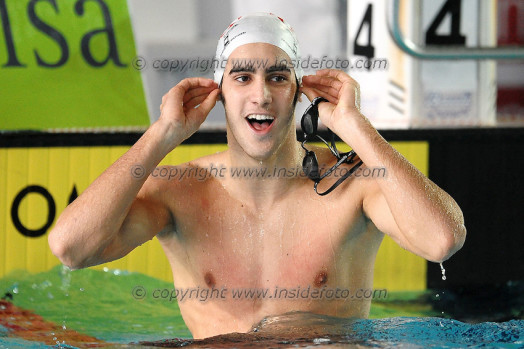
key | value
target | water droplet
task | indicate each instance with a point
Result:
(437, 295)
(65, 276)
(443, 271)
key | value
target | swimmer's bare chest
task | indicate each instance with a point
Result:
(306, 245)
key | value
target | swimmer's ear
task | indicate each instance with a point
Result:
(300, 93)
(221, 98)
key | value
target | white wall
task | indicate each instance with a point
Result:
(189, 29)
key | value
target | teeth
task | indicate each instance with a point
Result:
(260, 117)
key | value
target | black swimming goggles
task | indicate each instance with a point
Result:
(309, 124)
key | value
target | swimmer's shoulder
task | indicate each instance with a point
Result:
(182, 180)
(185, 170)
(215, 159)
(173, 186)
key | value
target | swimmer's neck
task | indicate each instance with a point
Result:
(263, 190)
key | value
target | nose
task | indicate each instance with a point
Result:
(261, 93)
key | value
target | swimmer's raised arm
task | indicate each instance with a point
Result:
(122, 208)
(405, 204)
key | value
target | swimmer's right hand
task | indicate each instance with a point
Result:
(185, 107)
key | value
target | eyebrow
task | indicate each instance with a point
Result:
(242, 69)
(278, 68)
(249, 68)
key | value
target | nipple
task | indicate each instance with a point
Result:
(321, 279)
(210, 280)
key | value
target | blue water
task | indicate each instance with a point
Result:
(100, 304)
(441, 333)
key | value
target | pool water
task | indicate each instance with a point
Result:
(92, 308)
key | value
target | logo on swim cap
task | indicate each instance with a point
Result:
(258, 27)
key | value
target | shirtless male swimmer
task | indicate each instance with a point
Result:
(224, 232)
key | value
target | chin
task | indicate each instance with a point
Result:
(261, 154)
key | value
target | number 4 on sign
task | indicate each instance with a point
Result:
(368, 50)
(453, 8)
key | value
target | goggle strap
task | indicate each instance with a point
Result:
(333, 144)
(340, 180)
(334, 167)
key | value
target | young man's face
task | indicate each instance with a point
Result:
(258, 90)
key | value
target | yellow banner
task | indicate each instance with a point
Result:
(38, 183)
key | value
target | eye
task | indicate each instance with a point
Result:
(242, 78)
(278, 78)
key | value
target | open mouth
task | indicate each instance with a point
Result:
(260, 122)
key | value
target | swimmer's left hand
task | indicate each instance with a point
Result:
(342, 92)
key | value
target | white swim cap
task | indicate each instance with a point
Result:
(258, 27)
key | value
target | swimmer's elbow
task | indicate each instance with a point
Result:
(60, 251)
(63, 251)
(450, 243)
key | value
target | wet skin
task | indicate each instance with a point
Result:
(226, 233)
(231, 233)
(301, 240)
